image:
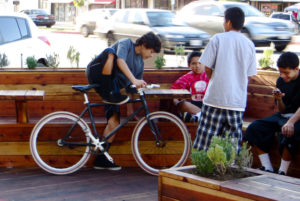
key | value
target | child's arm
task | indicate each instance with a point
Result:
(208, 71)
(124, 68)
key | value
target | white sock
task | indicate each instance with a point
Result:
(198, 115)
(284, 166)
(265, 161)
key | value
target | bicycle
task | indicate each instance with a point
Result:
(72, 136)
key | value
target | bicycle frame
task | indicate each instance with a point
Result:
(88, 108)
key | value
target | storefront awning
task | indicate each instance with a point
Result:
(103, 2)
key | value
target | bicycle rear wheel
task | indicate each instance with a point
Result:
(47, 143)
(174, 136)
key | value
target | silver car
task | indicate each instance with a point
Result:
(287, 16)
(209, 16)
(88, 21)
(133, 23)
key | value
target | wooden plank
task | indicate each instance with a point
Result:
(186, 191)
(263, 187)
(167, 93)
(35, 184)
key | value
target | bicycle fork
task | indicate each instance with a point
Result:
(154, 129)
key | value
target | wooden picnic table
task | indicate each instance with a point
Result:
(21, 97)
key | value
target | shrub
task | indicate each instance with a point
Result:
(179, 52)
(160, 61)
(73, 56)
(53, 60)
(3, 60)
(266, 60)
(220, 157)
(31, 62)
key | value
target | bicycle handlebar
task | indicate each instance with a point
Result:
(149, 86)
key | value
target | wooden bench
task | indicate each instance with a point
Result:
(20, 97)
(59, 95)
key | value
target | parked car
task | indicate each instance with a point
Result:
(209, 16)
(86, 23)
(294, 8)
(40, 17)
(133, 23)
(287, 16)
(20, 38)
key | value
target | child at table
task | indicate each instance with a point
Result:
(196, 82)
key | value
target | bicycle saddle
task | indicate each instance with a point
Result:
(85, 88)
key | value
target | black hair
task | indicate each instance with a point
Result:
(150, 40)
(191, 55)
(236, 16)
(288, 60)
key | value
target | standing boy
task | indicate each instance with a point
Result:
(286, 122)
(229, 60)
(196, 82)
(118, 67)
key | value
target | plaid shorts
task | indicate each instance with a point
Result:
(216, 121)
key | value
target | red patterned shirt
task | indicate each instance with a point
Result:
(195, 83)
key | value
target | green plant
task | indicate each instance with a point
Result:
(31, 62)
(220, 157)
(266, 60)
(3, 60)
(160, 61)
(53, 60)
(179, 52)
(78, 3)
(73, 56)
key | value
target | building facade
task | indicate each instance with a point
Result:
(269, 6)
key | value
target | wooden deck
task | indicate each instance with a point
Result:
(22, 184)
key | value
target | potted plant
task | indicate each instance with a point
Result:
(214, 177)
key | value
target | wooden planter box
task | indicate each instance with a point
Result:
(176, 184)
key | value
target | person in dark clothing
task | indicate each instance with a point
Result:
(117, 67)
(285, 123)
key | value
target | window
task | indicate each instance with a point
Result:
(9, 30)
(137, 18)
(207, 10)
(23, 28)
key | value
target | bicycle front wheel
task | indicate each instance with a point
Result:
(53, 149)
(175, 143)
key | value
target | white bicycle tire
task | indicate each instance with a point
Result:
(33, 140)
(135, 138)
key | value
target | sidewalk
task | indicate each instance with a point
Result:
(65, 27)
